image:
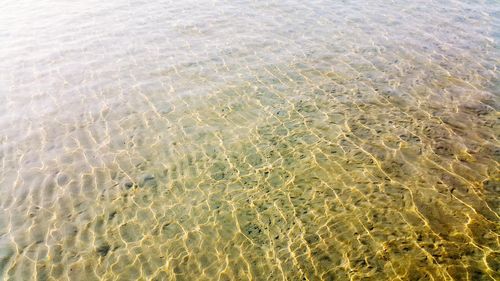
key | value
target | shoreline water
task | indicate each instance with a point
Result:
(249, 141)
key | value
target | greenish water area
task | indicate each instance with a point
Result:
(249, 140)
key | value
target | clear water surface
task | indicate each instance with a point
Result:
(249, 140)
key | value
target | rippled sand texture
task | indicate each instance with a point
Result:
(239, 140)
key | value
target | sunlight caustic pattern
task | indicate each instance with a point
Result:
(249, 140)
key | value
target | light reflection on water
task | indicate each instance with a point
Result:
(249, 140)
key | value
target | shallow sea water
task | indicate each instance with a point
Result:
(249, 140)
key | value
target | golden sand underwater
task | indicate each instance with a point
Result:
(249, 140)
